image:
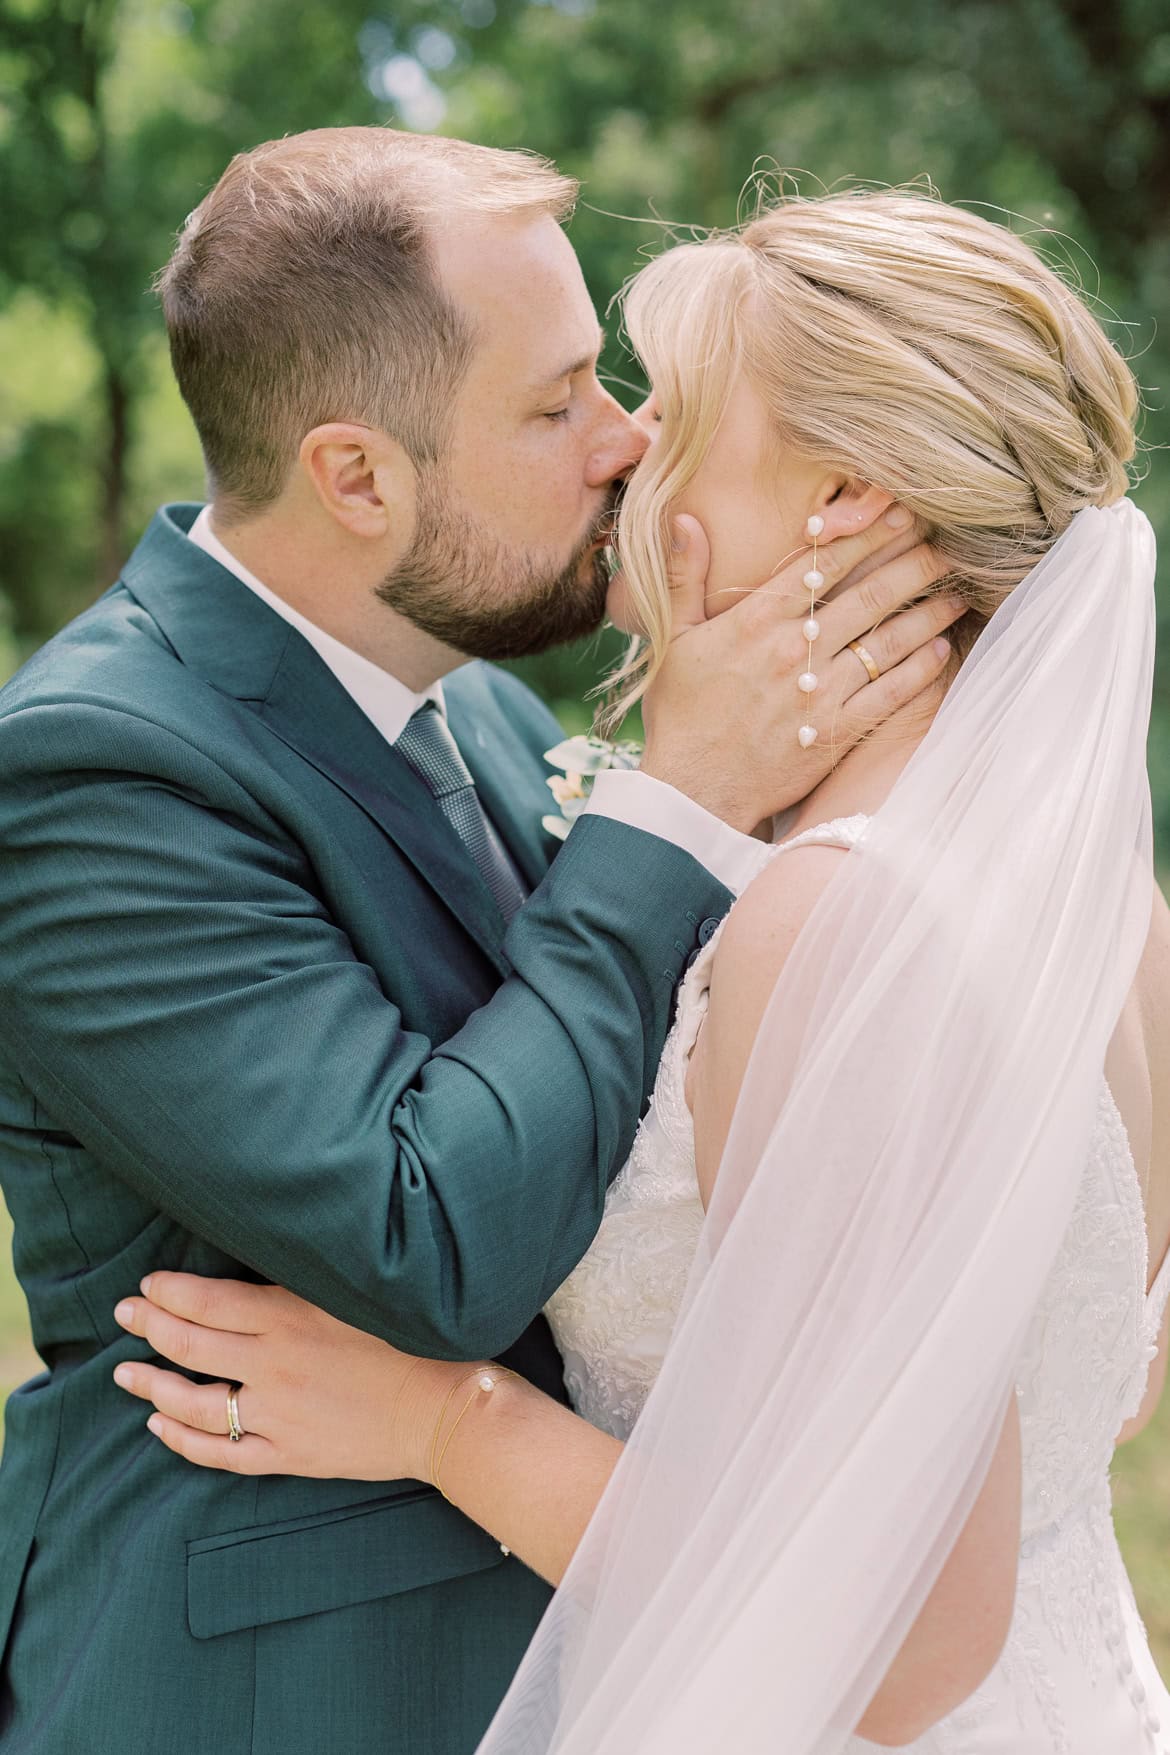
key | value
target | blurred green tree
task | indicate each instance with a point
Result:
(116, 115)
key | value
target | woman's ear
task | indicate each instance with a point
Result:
(853, 507)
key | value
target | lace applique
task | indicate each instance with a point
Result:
(613, 1316)
(1024, 1667)
(1084, 1367)
(959, 1729)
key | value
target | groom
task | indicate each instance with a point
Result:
(270, 995)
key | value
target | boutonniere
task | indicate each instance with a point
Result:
(581, 760)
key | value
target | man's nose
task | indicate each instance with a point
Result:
(622, 445)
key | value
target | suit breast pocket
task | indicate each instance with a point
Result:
(332, 1560)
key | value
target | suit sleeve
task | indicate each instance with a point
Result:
(178, 997)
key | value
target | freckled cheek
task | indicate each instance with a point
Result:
(498, 474)
(534, 504)
(527, 484)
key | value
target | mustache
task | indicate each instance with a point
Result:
(605, 523)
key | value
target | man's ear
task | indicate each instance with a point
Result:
(362, 477)
(851, 506)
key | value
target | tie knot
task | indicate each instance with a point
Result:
(427, 744)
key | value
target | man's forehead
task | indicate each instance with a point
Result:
(491, 259)
(518, 281)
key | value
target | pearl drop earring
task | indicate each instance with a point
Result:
(807, 735)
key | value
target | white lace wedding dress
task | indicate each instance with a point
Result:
(1076, 1676)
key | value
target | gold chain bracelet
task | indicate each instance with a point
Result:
(485, 1382)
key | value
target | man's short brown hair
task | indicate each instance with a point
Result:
(302, 290)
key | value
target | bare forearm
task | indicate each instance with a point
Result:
(530, 1472)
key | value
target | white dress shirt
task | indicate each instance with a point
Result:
(385, 701)
(625, 796)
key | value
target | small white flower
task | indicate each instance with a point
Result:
(582, 759)
(565, 788)
(592, 755)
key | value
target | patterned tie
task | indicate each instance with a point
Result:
(432, 752)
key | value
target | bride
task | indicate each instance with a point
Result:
(878, 1291)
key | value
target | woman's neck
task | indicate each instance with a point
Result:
(865, 776)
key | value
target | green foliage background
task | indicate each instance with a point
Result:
(117, 115)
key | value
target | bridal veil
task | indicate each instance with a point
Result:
(901, 1168)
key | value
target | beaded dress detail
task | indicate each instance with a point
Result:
(1076, 1676)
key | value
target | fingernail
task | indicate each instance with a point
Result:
(124, 1377)
(144, 1285)
(898, 518)
(154, 1424)
(942, 648)
(124, 1313)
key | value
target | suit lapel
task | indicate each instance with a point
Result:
(243, 648)
(309, 710)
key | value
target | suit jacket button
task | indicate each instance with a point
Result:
(707, 931)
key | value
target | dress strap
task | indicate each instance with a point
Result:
(846, 832)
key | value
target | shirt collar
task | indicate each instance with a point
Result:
(385, 701)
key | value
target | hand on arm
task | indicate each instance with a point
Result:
(319, 1398)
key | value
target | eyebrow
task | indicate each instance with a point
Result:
(580, 364)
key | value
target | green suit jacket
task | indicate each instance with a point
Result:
(259, 1014)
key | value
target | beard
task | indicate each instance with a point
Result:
(485, 599)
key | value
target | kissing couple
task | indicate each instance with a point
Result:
(747, 1221)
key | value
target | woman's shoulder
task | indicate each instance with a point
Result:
(765, 921)
(754, 944)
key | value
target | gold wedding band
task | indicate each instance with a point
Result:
(235, 1430)
(867, 659)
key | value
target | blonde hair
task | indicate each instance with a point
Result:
(302, 290)
(900, 341)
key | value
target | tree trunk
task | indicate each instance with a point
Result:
(113, 503)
